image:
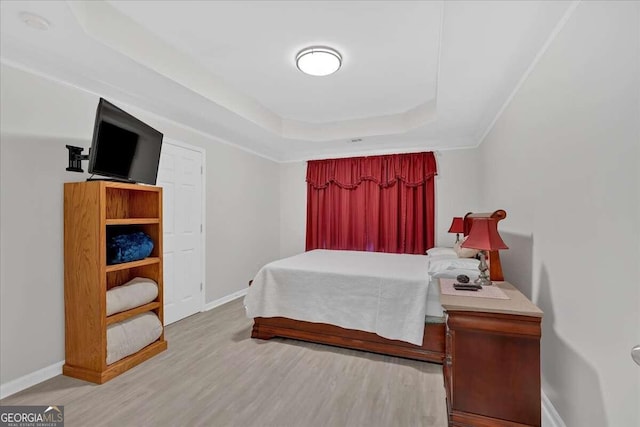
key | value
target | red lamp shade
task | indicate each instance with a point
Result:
(484, 236)
(457, 225)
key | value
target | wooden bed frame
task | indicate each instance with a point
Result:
(433, 345)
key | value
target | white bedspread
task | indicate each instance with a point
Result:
(369, 291)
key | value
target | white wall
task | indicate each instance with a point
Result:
(563, 160)
(293, 208)
(38, 117)
(456, 192)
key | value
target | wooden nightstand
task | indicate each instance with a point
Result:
(492, 363)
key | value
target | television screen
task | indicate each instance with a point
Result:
(123, 147)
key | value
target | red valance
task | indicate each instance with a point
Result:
(413, 169)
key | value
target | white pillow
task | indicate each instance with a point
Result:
(443, 256)
(434, 258)
(439, 265)
(464, 252)
(452, 274)
(441, 251)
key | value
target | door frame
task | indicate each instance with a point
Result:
(203, 217)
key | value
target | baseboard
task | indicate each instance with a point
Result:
(225, 299)
(550, 417)
(26, 381)
(29, 380)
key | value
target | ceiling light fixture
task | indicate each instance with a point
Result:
(34, 21)
(318, 61)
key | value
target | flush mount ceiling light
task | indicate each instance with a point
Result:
(34, 21)
(318, 61)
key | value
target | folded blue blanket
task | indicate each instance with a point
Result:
(128, 247)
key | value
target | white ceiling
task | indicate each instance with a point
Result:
(415, 75)
(251, 46)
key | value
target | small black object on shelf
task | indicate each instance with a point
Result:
(466, 287)
(75, 158)
(462, 278)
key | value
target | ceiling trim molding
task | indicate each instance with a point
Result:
(359, 128)
(109, 26)
(378, 152)
(27, 69)
(556, 30)
(214, 138)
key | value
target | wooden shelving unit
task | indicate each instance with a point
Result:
(123, 315)
(89, 209)
(132, 221)
(129, 265)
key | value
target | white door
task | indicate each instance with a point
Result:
(180, 176)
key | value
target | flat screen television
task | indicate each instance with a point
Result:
(123, 147)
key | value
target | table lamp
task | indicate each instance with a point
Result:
(457, 226)
(484, 236)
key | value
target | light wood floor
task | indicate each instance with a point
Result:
(214, 374)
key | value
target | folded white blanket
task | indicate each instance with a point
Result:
(368, 291)
(131, 335)
(134, 293)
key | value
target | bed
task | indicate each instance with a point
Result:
(380, 319)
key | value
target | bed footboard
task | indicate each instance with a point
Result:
(431, 350)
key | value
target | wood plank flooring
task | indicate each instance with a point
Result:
(214, 374)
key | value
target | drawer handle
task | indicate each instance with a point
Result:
(448, 360)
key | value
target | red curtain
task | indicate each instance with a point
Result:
(377, 203)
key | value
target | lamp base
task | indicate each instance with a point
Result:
(483, 279)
